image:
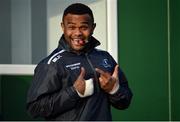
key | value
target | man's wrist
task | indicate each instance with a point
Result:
(89, 88)
(115, 88)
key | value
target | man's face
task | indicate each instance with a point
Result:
(77, 30)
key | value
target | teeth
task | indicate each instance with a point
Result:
(79, 41)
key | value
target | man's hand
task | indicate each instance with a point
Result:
(79, 84)
(108, 82)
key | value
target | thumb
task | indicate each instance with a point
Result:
(82, 73)
(116, 71)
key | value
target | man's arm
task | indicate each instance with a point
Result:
(121, 99)
(116, 86)
(46, 97)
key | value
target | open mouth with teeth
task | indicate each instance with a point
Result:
(79, 42)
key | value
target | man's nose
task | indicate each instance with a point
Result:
(78, 31)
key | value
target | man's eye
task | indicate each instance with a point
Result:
(84, 27)
(71, 27)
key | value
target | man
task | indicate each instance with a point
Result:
(77, 81)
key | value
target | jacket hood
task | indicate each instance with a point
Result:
(88, 47)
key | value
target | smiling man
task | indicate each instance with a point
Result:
(77, 30)
(78, 27)
(77, 81)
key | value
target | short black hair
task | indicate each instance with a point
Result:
(79, 9)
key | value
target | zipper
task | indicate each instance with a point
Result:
(94, 72)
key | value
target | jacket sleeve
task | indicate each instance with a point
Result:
(46, 96)
(122, 98)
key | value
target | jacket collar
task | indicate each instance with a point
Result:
(89, 46)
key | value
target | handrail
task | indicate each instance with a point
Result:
(16, 69)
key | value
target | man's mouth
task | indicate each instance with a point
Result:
(79, 42)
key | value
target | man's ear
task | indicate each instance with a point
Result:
(94, 26)
(62, 26)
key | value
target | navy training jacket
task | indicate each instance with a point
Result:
(53, 97)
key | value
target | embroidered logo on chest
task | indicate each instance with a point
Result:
(74, 66)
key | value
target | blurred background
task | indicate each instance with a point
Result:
(148, 42)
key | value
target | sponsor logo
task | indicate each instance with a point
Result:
(74, 66)
(56, 58)
(106, 63)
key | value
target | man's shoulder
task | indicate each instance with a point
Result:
(53, 57)
(101, 51)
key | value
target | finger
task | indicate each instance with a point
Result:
(82, 73)
(101, 81)
(116, 71)
(100, 71)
